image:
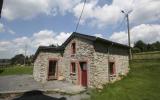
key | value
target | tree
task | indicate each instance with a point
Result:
(136, 50)
(29, 59)
(18, 59)
(141, 45)
(156, 46)
(149, 47)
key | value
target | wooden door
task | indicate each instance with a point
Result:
(83, 66)
(52, 69)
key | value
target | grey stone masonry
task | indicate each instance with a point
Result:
(40, 70)
(96, 55)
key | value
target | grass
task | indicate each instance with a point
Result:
(149, 52)
(16, 70)
(147, 55)
(142, 83)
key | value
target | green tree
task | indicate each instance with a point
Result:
(18, 59)
(136, 50)
(156, 46)
(141, 45)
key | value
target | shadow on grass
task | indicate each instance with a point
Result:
(37, 95)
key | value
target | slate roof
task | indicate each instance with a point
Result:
(47, 49)
(75, 34)
(92, 38)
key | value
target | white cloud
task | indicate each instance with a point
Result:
(97, 15)
(11, 31)
(2, 27)
(12, 47)
(48, 37)
(6, 29)
(98, 35)
(4, 45)
(143, 11)
(120, 37)
(42, 38)
(146, 32)
(26, 9)
(124, 4)
(59, 39)
(21, 41)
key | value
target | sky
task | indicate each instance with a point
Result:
(31, 23)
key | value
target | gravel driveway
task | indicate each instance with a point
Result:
(25, 84)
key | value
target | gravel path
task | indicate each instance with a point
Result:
(23, 83)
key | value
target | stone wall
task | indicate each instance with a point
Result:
(101, 75)
(101, 59)
(40, 70)
(96, 56)
(84, 52)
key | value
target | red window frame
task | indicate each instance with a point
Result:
(73, 47)
(73, 67)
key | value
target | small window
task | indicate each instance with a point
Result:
(73, 67)
(111, 68)
(83, 66)
(73, 47)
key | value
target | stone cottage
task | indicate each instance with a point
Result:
(82, 60)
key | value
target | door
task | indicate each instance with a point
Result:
(83, 67)
(52, 69)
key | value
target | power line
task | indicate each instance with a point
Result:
(120, 25)
(80, 15)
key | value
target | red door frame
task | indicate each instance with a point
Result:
(52, 59)
(80, 73)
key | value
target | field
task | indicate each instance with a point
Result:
(142, 83)
(16, 70)
(147, 55)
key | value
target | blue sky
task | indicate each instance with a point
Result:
(44, 22)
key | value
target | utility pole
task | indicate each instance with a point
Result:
(128, 29)
(25, 51)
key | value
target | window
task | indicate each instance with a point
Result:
(83, 65)
(73, 67)
(111, 68)
(73, 47)
(52, 71)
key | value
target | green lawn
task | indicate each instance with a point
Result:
(142, 83)
(16, 70)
